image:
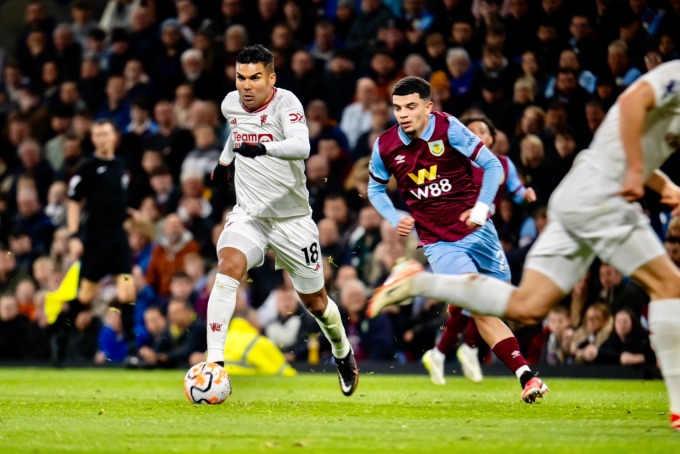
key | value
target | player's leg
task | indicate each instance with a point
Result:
(296, 245)
(527, 304)
(450, 258)
(487, 253)
(660, 278)
(241, 246)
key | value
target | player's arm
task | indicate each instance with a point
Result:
(379, 176)
(633, 106)
(516, 188)
(471, 146)
(295, 144)
(78, 187)
(669, 191)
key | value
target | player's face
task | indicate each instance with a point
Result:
(481, 130)
(254, 83)
(104, 138)
(412, 113)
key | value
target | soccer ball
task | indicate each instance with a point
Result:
(207, 383)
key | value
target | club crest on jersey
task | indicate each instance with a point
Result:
(436, 147)
(263, 120)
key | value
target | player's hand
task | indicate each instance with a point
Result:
(633, 186)
(671, 197)
(75, 248)
(465, 217)
(530, 195)
(405, 226)
(251, 149)
(221, 177)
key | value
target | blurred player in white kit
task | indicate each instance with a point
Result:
(593, 212)
(269, 142)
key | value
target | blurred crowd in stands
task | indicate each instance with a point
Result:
(544, 71)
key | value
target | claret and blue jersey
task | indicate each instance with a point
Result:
(434, 176)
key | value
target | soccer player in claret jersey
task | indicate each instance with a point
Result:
(430, 155)
(594, 212)
(459, 320)
(269, 142)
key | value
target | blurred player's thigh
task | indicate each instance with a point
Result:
(559, 256)
(247, 234)
(595, 216)
(296, 245)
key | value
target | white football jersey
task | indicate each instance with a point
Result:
(661, 133)
(274, 185)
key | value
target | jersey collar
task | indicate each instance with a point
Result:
(427, 134)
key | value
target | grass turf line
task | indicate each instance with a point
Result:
(89, 410)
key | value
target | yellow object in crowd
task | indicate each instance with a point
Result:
(247, 352)
(67, 291)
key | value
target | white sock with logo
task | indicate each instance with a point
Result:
(331, 325)
(221, 307)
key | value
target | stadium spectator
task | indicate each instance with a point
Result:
(588, 338)
(628, 344)
(370, 338)
(557, 346)
(183, 341)
(13, 329)
(168, 255)
(291, 328)
(356, 117)
(112, 345)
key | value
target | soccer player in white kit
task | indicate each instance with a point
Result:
(269, 142)
(593, 212)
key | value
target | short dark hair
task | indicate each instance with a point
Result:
(105, 121)
(482, 119)
(410, 85)
(256, 54)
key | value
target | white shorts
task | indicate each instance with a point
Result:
(586, 218)
(295, 243)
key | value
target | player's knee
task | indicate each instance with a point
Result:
(231, 268)
(529, 318)
(315, 303)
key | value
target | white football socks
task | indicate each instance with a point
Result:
(480, 294)
(664, 324)
(331, 325)
(221, 307)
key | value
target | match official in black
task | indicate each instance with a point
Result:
(97, 209)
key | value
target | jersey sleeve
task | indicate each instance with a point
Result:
(227, 155)
(463, 140)
(376, 168)
(295, 144)
(80, 183)
(665, 81)
(514, 185)
(472, 146)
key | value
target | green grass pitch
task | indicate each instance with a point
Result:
(118, 411)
